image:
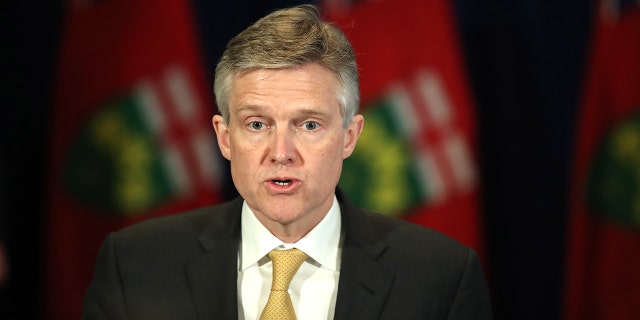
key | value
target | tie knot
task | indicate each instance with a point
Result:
(285, 265)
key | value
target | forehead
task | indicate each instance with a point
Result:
(310, 82)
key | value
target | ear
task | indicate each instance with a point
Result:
(222, 133)
(353, 133)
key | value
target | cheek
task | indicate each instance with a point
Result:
(242, 176)
(242, 164)
(242, 146)
(330, 156)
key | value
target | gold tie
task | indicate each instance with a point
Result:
(285, 265)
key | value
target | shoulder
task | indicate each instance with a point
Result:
(401, 238)
(180, 226)
(418, 254)
(403, 235)
(430, 269)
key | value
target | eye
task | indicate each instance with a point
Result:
(311, 125)
(256, 125)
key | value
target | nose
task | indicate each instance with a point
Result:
(283, 149)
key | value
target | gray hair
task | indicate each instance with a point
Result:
(290, 38)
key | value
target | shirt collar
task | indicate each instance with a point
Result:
(322, 243)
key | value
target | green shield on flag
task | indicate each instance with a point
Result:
(115, 164)
(613, 186)
(382, 174)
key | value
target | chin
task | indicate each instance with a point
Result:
(284, 218)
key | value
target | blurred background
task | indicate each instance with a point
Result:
(512, 126)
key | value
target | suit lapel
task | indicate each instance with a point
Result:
(213, 275)
(364, 283)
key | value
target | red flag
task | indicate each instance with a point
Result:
(131, 133)
(417, 155)
(602, 278)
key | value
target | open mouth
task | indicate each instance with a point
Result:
(282, 183)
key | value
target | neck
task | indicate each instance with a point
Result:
(290, 232)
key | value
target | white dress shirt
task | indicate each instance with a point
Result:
(313, 289)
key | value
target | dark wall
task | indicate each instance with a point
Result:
(526, 61)
(30, 34)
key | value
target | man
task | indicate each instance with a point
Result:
(287, 89)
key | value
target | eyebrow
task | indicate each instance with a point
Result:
(249, 108)
(306, 112)
(313, 113)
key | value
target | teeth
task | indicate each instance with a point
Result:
(282, 183)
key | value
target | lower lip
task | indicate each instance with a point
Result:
(282, 189)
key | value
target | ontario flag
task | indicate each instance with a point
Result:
(131, 135)
(416, 157)
(603, 260)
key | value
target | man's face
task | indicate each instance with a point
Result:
(286, 143)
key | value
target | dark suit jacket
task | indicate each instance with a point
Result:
(184, 266)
